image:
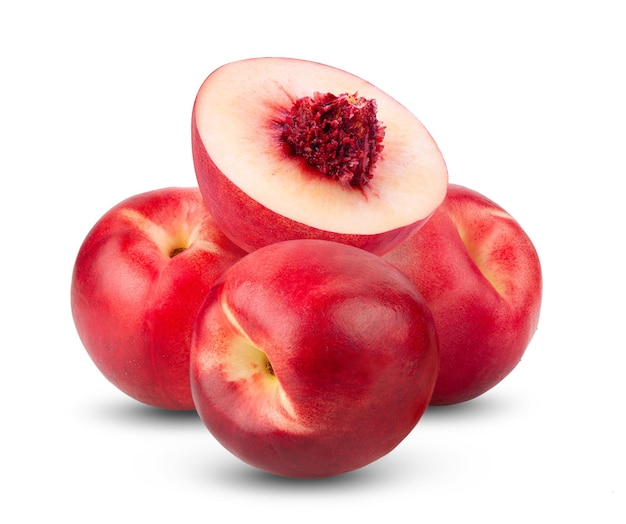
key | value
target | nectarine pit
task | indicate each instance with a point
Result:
(340, 136)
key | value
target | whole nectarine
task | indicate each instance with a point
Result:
(139, 278)
(311, 358)
(481, 277)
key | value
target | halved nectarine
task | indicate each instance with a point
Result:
(286, 148)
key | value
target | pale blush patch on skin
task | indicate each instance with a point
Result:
(487, 232)
(175, 235)
(244, 365)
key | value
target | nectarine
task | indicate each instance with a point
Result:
(481, 277)
(312, 358)
(286, 148)
(138, 280)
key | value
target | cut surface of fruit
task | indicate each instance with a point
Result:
(261, 189)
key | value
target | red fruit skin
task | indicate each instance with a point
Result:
(352, 345)
(252, 225)
(481, 276)
(133, 306)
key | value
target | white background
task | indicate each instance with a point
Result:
(527, 103)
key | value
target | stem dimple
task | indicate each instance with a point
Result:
(268, 367)
(176, 251)
(340, 136)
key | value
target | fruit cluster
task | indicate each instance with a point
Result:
(320, 288)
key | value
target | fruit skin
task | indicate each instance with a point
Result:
(352, 348)
(133, 305)
(481, 276)
(295, 200)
